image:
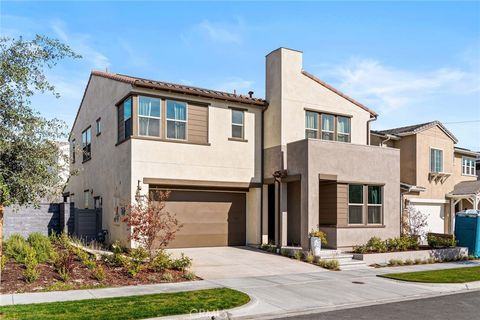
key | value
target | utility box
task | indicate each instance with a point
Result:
(467, 230)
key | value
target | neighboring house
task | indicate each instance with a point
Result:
(437, 178)
(242, 170)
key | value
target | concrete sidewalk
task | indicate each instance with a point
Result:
(285, 294)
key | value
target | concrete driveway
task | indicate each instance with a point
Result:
(239, 262)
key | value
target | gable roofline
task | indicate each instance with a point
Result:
(338, 92)
(467, 152)
(179, 88)
(414, 129)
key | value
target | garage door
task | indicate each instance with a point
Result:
(435, 216)
(209, 218)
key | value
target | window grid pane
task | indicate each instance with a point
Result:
(355, 214)
(237, 117)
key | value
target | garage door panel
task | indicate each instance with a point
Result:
(205, 240)
(435, 214)
(208, 218)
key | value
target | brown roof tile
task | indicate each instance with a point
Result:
(179, 88)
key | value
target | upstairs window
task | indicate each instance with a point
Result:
(127, 116)
(124, 116)
(238, 124)
(176, 120)
(343, 129)
(73, 146)
(87, 144)
(468, 166)
(98, 126)
(149, 111)
(328, 127)
(436, 160)
(355, 204)
(311, 125)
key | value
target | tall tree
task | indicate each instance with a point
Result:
(29, 152)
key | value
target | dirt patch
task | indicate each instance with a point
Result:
(12, 279)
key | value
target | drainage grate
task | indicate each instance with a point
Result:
(358, 282)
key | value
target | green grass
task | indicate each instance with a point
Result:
(455, 275)
(134, 307)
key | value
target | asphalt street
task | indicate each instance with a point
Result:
(456, 306)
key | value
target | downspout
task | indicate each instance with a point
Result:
(368, 128)
(262, 170)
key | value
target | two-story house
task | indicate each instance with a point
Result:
(241, 170)
(437, 178)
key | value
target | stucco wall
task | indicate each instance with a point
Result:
(299, 92)
(350, 163)
(108, 172)
(221, 160)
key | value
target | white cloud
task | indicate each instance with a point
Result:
(389, 88)
(219, 32)
(81, 44)
(241, 86)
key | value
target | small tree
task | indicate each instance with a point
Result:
(414, 222)
(29, 153)
(150, 224)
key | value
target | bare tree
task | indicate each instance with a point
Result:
(151, 225)
(414, 222)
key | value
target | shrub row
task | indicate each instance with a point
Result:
(377, 245)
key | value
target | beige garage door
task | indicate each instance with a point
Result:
(209, 218)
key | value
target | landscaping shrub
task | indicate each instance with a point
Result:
(395, 262)
(31, 272)
(309, 257)
(376, 245)
(408, 262)
(161, 261)
(297, 254)
(3, 262)
(136, 262)
(268, 247)
(418, 261)
(331, 264)
(182, 263)
(16, 247)
(64, 241)
(85, 257)
(437, 241)
(189, 276)
(99, 273)
(64, 265)
(42, 246)
(284, 252)
(167, 277)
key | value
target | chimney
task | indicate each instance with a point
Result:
(235, 91)
(250, 94)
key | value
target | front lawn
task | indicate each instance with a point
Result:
(455, 275)
(134, 307)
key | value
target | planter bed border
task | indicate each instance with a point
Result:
(385, 257)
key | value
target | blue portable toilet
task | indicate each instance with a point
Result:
(467, 231)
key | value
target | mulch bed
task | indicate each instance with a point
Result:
(12, 280)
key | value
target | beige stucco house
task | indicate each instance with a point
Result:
(242, 170)
(437, 178)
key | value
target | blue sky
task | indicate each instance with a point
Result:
(410, 62)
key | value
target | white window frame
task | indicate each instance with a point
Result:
(376, 205)
(175, 120)
(98, 126)
(343, 133)
(362, 205)
(468, 170)
(334, 138)
(150, 117)
(242, 125)
(317, 115)
(430, 161)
